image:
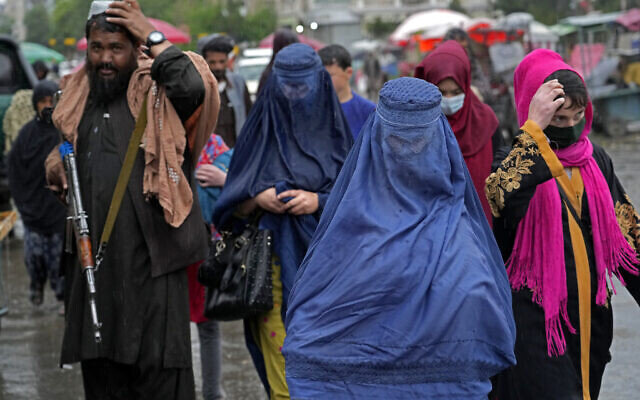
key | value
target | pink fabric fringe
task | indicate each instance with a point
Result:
(537, 260)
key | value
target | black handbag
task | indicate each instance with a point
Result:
(237, 274)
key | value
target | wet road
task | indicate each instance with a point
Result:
(30, 340)
(30, 337)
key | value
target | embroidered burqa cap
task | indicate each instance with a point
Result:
(403, 290)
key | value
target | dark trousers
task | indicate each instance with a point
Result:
(211, 359)
(107, 380)
(42, 258)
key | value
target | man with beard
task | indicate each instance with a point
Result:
(43, 215)
(235, 100)
(142, 298)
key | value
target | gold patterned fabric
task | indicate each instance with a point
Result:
(629, 222)
(508, 176)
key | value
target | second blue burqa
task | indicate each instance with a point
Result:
(403, 293)
(295, 137)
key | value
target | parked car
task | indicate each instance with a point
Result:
(250, 67)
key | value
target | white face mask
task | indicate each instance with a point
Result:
(451, 105)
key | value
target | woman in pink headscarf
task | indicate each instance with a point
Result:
(565, 227)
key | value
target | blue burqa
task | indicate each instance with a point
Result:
(403, 293)
(295, 137)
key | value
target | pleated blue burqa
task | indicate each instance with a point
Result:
(403, 293)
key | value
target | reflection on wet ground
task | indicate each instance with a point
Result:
(30, 337)
(30, 343)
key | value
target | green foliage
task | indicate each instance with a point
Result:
(36, 21)
(551, 11)
(164, 9)
(379, 28)
(456, 5)
(260, 24)
(206, 17)
(69, 18)
(546, 11)
(6, 24)
(193, 16)
(614, 5)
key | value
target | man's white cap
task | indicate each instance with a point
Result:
(98, 7)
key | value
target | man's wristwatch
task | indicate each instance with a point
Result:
(154, 38)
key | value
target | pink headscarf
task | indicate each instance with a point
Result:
(537, 260)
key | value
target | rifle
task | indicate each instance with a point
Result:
(80, 221)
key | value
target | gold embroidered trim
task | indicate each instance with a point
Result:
(629, 222)
(508, 176)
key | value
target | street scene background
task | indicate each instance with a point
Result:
(386, 38)
(30, 338)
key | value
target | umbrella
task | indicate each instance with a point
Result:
(34, 52)
(316, 44)
(173, 34)
(630, 20)
(429, 24)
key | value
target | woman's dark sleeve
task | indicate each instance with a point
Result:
(513, 182)
(626, 214)
(174, 70)
(247, 100)
(497, 142)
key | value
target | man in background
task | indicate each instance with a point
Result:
(235, 100)
(43, 215)
(41, 70)
(337, 61)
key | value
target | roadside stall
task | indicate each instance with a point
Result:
(602, 48)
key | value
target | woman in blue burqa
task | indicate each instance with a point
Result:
(286, 161)
(403, 293)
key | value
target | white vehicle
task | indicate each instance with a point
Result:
(251, 67)
(257, 52)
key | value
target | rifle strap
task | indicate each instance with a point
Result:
(123, 180)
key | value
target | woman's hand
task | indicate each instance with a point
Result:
(544, 103)
(268, 201)
(210, 176)
(302, 203)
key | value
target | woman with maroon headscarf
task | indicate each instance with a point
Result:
(473, 122)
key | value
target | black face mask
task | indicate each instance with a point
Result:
(45, 115)
(564, 137)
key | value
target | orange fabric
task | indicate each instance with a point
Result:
(165, 138)
(548, 155)
(574, 188)
(190, 126)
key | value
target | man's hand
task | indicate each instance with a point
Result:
(57, 180)
(544, 103)
(268, 201)
(210, 176)
(302, 203)
(129, 15)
